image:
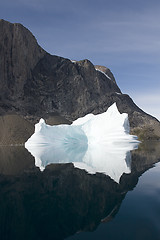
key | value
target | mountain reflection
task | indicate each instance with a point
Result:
(61, 200)
(112, 159)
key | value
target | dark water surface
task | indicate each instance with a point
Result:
(64, 202)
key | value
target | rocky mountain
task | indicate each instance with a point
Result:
(35, 84)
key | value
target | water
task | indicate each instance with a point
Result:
(64, 202)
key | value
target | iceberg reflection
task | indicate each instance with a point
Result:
(96, 143)
(113, 160)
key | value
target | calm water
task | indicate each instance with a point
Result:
(64, 202)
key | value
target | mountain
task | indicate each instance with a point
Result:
(35, 84)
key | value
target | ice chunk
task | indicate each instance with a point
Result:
(97, 143)
(110, 126)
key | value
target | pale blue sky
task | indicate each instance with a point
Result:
(123, 35)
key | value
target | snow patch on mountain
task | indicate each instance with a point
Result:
(103, 73)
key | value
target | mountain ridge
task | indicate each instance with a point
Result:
(35, 84)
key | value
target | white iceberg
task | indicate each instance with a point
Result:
(96, 143)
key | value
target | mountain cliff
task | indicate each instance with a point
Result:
(35, 84)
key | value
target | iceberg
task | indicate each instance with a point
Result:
(96, 143)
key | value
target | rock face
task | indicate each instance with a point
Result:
(14, 129)
(106, 71)
(35, 84)
(19, 53)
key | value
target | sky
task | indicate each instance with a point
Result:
(123, 35)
